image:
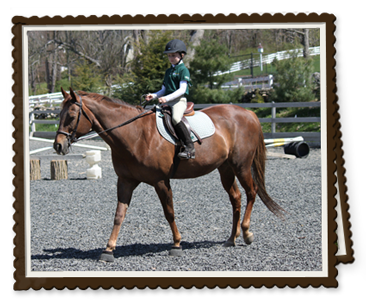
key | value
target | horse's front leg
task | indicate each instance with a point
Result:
(125, 189)
(165, 194)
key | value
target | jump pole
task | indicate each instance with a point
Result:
(281, 142)
(40, 150)
(51, 141)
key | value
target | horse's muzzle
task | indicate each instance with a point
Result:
(61, 146)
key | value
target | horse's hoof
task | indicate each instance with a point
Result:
(229, 244)
(249, 239)
(106, 256)
(176, 251)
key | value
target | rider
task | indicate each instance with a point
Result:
(174, 91)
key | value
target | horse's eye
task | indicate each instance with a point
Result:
(69, 120)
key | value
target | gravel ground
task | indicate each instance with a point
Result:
(71, 220)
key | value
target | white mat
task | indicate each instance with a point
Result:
(200, 122)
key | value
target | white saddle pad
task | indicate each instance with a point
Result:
(200, 123)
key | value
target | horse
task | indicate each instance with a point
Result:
(140, 154)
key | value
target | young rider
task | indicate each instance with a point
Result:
(174, 91)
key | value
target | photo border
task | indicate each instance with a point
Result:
(23, 282)
(346, 257)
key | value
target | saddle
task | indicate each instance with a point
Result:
(166, 110)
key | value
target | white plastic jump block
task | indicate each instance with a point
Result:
(93, 158)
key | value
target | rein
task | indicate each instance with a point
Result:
(120, 125)
(71, 137)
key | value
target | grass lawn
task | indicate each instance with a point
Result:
(46, 127)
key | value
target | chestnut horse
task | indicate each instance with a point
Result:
(140, 154)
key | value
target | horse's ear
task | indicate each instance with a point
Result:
(73, 96)
(64, 93)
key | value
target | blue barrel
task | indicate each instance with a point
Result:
(300, 149)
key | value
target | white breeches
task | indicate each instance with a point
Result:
(178, 106)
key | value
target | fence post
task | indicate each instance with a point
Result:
(273, 117)
(33, 125)
(251, 64)
(270, 80)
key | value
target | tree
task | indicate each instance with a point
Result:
(86, 77)
(114, 52)
(148, 68)
(195, 40)
(201, 94)
(210, 59)
(43, 55)
(294, 79)
(52, 63)
(104, 49)
(304, 39)
(35, 56)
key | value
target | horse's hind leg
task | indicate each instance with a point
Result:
(246, 180)
(165, 194)
(229, 183)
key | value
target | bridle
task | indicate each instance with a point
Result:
(72, 137)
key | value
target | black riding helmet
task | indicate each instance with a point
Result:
(175, 46)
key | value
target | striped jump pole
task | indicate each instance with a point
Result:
(281, 142)
(295, 146)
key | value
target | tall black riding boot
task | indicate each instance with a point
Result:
(183, 134)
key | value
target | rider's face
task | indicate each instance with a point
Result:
(174, 58)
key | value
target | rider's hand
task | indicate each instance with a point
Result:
(162, 100)
(149, 97)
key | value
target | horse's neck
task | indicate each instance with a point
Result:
(108, 115)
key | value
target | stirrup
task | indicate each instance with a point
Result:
(187, 154)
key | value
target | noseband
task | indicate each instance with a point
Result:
(72, 137)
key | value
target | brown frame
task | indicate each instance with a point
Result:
(15, 203)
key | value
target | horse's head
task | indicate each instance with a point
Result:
(74, 122)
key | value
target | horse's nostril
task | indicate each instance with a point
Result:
(58, 148)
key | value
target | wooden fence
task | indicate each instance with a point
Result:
(54, 99)
(312, 138)
(262, 82)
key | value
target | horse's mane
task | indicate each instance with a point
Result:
(99, 97)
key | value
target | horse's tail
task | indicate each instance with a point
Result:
(258, 167)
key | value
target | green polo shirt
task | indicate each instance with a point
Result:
(173, 76)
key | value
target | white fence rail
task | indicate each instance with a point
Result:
(250, 83)
(287, 54)
(51, 100)
(268, 58)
